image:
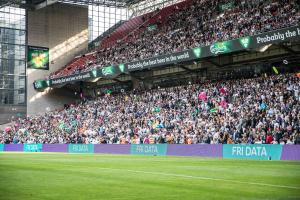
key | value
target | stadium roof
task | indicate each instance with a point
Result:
(38, 3)
(115, 3)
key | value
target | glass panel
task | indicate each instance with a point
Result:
(102, 18)
(12, 56)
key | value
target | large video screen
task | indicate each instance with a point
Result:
(38, 57)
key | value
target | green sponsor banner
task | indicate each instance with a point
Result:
(38, 57)
(40, 84)
(241, 44)
(108, 72)
(253, 151)
(33, 147)
(148, 149)
(1, 147)
(81, 148)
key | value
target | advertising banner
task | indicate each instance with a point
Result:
(164, 60)
(72, 78)
(81, 148)
(247, 151)
(290, 152)
(149, 149)
(252, 151)
(40, 84)
(13, 147)
(33, 147)
(275, 37)
(55, 148)
(112, 148)
(205, 150)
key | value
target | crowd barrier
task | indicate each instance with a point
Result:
(247, 151)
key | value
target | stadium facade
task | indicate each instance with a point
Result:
(12, 62)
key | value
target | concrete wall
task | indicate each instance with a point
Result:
(64, 30)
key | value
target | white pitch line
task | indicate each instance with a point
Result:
(202, 177)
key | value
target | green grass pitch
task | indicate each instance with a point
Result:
(58, 176)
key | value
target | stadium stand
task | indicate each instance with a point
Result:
(256, 110)
(251, 109)
(186, 25)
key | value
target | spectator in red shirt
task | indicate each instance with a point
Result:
(269, 139)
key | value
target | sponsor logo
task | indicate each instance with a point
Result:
(32, 147)
(38, 84)
(147, 149)
(122, 68)
(220, 47)
(94, 73)
(245, 42)
(80, 148)
(249, 151)
(197, 52)
(107, 71)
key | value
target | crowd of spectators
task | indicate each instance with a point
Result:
(197, 25)
(255, 111)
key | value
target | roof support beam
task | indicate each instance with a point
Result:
(214, 63)
(108, 3)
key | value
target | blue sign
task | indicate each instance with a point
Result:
(33, 147)
(149, 149)
(81, 148)
(1, 147)
(253, 151)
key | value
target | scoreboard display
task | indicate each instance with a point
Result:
(38, 57)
